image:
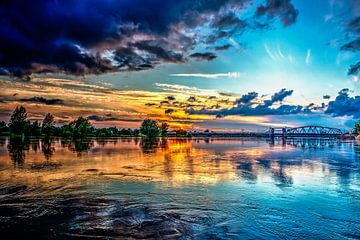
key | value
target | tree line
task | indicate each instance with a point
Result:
(20, 126)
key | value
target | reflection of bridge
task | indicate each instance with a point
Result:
(306, 142)
(306, 131)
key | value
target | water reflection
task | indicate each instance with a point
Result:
(78, 145)
(182, 161)
(306, 142)
(151, 145)
(171, 188)
(17, 148)
(47, 148)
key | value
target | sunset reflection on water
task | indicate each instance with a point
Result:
(240, 179)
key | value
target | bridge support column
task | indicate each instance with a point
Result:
(271, 133)
(283, 132)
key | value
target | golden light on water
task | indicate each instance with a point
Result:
(168, 163)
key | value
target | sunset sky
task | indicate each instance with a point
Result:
(225, 65)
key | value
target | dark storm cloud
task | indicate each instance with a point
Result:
(354, 69)
(150, 104)
(95, 37)
(283, 9)
(208, 56)
(225, 25)
(109, 117)
(170, 98)
(222, 47)
(278, 97)
(353, 32)
(352, 46)
(344, 105)
(246, 98)
(191, 99)
(169, 111)
(42, 100)
(244, 106)
(228, 20)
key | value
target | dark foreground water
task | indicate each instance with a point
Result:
(180, 189)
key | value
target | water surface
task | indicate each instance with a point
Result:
(180, 189)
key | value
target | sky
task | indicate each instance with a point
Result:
(224, 65)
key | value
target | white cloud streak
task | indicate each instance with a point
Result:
(308, 57)
(204, 75)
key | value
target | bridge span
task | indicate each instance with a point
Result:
(305, 131)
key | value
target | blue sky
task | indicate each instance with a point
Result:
(271, 45)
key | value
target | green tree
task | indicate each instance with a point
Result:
(35, 129)
(48, 124)
(182, 133)
(150, 128)
(82, 128)
(102, 132)
(164, 129)
(18, 122)
(357, 127)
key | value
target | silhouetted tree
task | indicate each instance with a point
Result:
(18, 122)
(357, 128)
(3, 128)
(35, 129)
(150, 128)
(126, 132)
(82, 128)
(48, 124)
(182, 133)
(103, 132)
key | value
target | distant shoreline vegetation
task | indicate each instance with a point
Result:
(20, 127)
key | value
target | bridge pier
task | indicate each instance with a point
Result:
(283, 132)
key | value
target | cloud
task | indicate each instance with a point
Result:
(109, 118)
(283, 9)
(247, 98)
(42, 100)
(208, 56)
(353, 33)
(308, 57)
(191, 99)
(171, 98)
(354, 69)
(278, 97)
(150, 104)
(244, 106)
(95, 37)
(169, 111)
(344, 105)
(205, 75)
(222, 47)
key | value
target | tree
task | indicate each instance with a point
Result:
(3, 128)
(48, 124)
(82, 128)
(18, 122)
(35, 129)
(150, 128)
(164, 129)
(357, 127)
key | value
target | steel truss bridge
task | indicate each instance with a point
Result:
(305, 131)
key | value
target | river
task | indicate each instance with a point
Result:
(200, 188)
